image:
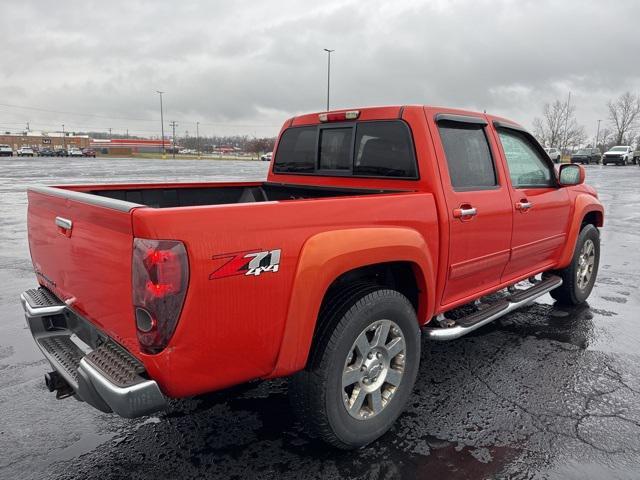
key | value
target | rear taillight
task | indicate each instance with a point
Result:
(160, 279)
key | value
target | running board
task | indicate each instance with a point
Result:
(480, 318)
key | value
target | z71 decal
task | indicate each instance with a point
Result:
(247, 263)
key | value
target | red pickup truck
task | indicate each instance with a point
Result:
(373, 226)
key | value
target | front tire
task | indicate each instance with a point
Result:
(362, 368)
(579, 277)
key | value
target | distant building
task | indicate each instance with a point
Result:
(128, 146)
(40, 140)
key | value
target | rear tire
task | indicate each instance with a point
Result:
(362, 367)
(579, 277)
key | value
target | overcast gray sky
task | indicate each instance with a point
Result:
(244, 67)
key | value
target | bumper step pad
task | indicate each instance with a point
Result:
(41, 297)
(65, 353)
(116, 364)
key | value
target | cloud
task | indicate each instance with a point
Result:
(244, 67)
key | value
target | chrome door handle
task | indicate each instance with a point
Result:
(464, 212)
(523, 205)
(64, 223)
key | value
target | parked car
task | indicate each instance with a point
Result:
(636, 156)
(620, 155)
(6, 151)
(266, 157)
(373, 226)
(25, 152)
(88, 152)
(554, 154)
(46, 152)
(74, 152)
(586, 155)
(61, 152)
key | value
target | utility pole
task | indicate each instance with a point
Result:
(566, 126)
(127, 133)
(64, 139)
(198, 139)
(28, 129)
(109, 133)
(162, 123)
(328, 73)
(597, 134)
(173, 125)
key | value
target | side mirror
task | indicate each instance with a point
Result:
(571, 174)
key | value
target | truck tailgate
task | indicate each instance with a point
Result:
(88, 265)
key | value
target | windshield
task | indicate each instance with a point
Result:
(618, 149)
(583, 152)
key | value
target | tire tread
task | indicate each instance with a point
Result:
(305, 389)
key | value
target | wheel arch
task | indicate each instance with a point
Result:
(587, 210)
(329, 258)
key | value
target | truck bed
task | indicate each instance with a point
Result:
(88, 265)
(223, 194)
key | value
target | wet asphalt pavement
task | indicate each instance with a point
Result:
(544, 392)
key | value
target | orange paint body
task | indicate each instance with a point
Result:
(234, 328)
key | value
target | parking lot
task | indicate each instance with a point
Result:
(543, 392)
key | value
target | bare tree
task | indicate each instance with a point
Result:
(548, 129)
(606, 140)
(558, 126)
(624, 114)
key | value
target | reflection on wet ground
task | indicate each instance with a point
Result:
(544, 392)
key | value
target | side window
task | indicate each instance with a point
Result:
(296, 150)
(335, 148)
(468, 156)
(527, 167)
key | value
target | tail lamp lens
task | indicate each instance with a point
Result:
(160, 279)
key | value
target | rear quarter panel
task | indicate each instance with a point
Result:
(231, 328)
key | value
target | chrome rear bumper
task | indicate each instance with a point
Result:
(99, 371)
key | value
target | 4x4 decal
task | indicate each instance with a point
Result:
(252, 262)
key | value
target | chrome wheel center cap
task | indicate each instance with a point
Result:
(375, 370)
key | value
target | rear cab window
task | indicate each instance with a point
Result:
(364, 149)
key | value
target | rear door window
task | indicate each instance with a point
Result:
(468, 156)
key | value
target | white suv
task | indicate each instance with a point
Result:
(6, 151)
(74, 152)
(554, 154)
(620, 155)
(25, 152)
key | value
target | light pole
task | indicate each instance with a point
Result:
(161, 122)
(173, 124)
(328, 73)
(198, 139)
(597, 134)
(64, 139)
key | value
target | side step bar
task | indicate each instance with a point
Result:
(480, 318)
